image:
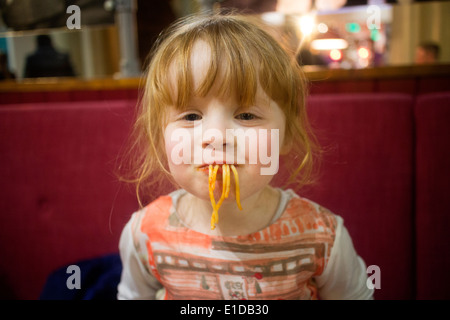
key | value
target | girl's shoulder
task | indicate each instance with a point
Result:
(162, 204)
(157, 213)
(306, 213)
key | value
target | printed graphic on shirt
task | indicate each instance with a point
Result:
(277, 262)
(233, 287)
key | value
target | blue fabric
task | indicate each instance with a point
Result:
(99, 278)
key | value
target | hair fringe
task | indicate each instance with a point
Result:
(144, 165)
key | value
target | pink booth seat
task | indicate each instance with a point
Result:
(61, 200)
(432, 115)
(367, 178)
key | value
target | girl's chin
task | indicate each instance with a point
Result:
(202, 193)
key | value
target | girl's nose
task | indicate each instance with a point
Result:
(215, 133)
(216, 143)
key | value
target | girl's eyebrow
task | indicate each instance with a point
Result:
(259, 104)
(249, 108)
(182, 108)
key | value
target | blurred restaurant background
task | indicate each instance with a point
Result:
(114, 37)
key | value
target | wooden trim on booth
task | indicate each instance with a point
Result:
(312, 73)
(68, 84)
(388, 72)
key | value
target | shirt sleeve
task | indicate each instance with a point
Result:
(136, 282)
(344, 277)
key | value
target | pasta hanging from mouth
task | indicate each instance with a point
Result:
(226, 182)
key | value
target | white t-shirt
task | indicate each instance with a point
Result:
(305, 253)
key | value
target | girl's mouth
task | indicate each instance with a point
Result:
(205, 168)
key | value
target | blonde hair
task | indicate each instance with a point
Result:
(243, 56)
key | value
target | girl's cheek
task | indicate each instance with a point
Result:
(268, 150)
(252, 152)
(169, 145)
(178, 145)
(262, 149)
(170, 149)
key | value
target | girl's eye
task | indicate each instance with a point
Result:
(192, 117)
(246, 116)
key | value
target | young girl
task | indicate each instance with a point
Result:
(222, 100)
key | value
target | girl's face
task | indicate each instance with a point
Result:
(202, 134)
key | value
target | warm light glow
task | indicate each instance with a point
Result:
(329, 44)
(329, 4)
(322, 27)
(335, 54)
(293, 6)
(274, 18)
(306, 24)
(363, 53)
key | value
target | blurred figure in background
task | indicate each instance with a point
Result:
(46, 61)
(427, 52)
(307, 58)
(5, 74)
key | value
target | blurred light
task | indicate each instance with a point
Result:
(363, 53)
(329, 44)
(364, 63)
(322, 27)
(353, 27)
(293, 6)
(325, 5)
(375, 35)
(306, 24)
(274, 18)
(335, 54)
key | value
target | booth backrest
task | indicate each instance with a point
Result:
(432, 114)
(60, 200)
(367, 178)
(385, 170)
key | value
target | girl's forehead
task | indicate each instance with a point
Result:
(189, 73)
(201, 68)
(200, 61)
(199, 74)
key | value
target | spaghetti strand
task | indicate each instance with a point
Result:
(226, 184)
(238, 189)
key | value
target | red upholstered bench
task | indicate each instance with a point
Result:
(432, 116)
(61, 203)
(367, 178)
(60, 200)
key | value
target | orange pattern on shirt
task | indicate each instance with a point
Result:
(278, 262)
